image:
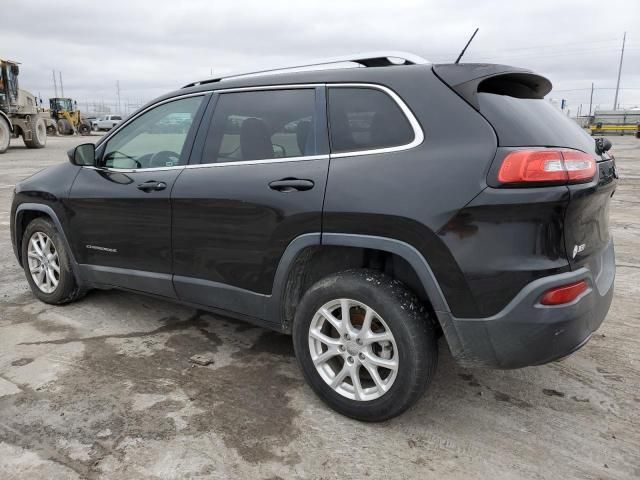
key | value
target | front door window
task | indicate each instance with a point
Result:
(154, 139)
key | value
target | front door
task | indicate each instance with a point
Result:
(259, 185)
(121, 209)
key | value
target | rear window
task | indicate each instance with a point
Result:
(365, 119)
(532, 122)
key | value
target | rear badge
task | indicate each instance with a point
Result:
(578, 248)
(110, 250)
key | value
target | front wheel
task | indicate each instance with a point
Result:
(46, 263)
(64, 127)
(365, 344)
(5, 135)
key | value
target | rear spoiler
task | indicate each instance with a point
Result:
(469, 79)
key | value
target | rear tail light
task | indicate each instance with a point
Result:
(547, 167)
(580, 166)
(564, 294)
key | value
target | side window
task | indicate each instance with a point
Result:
(261, 125)
(154, 139)
(363, 118)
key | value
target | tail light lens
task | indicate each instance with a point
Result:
(580, 166)
(564, 294)
(547, 167)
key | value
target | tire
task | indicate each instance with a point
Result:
(38, 133)
(66, 290)
(84, 129)
(395, 310)
(64, 127)
(5, 135)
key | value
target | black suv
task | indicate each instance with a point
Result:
(365, 210)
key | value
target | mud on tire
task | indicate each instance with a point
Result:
(38, 128)
(399, 311)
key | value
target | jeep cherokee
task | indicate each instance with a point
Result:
(367, 211)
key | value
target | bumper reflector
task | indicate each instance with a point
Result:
(564, 294)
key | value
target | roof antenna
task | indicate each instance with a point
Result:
(465, 47)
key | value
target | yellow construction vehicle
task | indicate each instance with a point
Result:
(68, 119)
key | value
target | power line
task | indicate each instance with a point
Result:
(573, 53)
(537, 47)
(596, 88)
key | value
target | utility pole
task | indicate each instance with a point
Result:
(61, 87)
(615, 100)
(118, 92)
(591, 99)
(55, 85)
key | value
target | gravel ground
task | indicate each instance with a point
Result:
(104, 388)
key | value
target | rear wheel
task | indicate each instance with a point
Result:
(5, 135)
(38, 128)
(46, 263)
(364, 344)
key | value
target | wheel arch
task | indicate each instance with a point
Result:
(6, 117)
(27, 212)
(332, 252)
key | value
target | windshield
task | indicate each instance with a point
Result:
(61, 104)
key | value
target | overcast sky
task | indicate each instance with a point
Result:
(152, 46)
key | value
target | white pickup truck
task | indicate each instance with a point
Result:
(106, 123)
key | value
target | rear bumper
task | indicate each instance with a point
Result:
(527, 333)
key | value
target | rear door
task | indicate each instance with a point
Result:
(547, 225)
(527, 122)
(587, 219)
(258, 183)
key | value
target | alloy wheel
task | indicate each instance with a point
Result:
(44, 264)
(353, 349)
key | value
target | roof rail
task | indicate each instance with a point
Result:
(368, 59)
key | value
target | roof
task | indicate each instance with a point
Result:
(368, 59)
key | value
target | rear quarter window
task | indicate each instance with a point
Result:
(532, 122)
(363, 118)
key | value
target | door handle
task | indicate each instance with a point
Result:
(152, 186)
(291, 184)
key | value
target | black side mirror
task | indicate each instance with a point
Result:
(83, 155)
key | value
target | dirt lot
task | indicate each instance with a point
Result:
(104, 388)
